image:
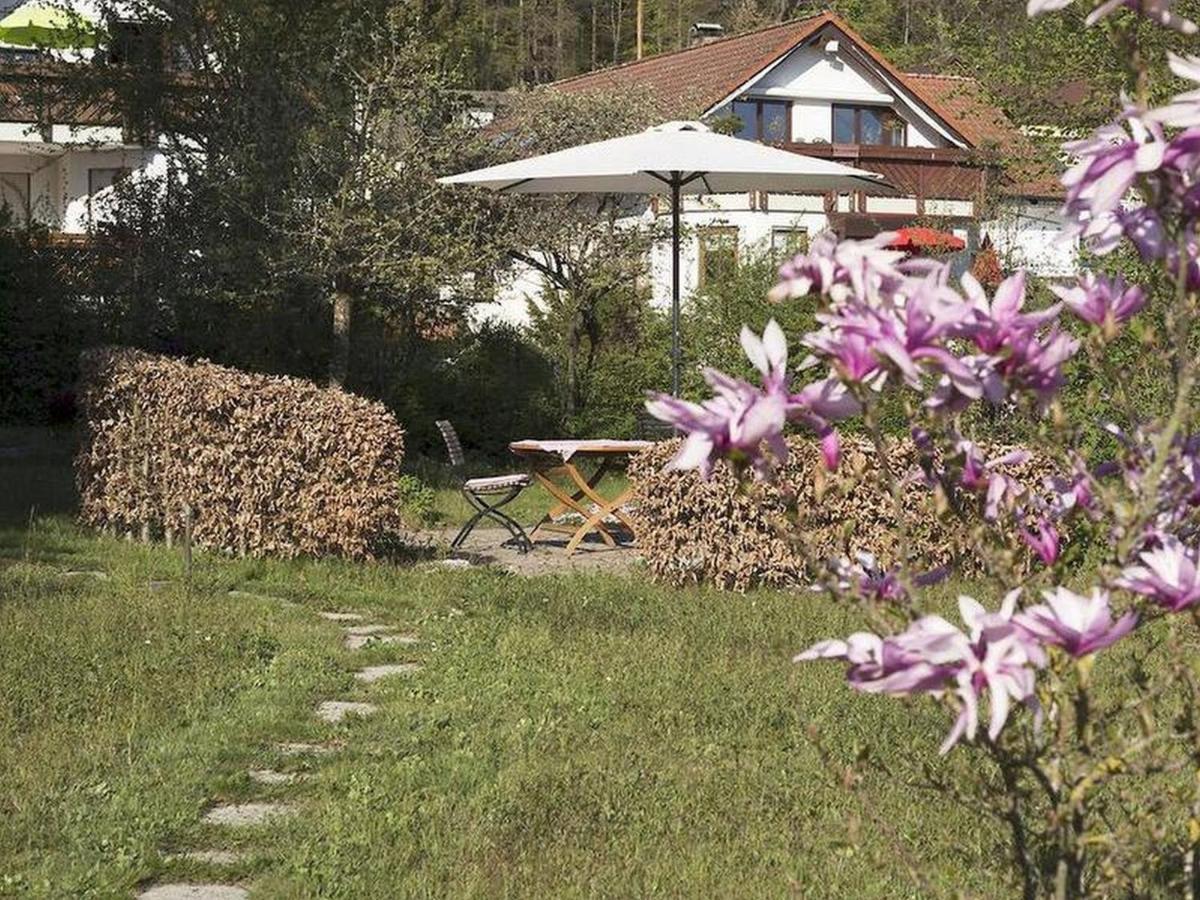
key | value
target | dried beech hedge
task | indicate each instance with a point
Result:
(268, 465)
(693, 531)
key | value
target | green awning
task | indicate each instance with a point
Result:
(39, 24)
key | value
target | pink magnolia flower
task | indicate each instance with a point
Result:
(1080, 625)
(741, 419)
(1035, 364)
(997, 323)
(866, 578)
(1184, 109)
(840, 269)
(1100, 300)
(1109, 164)
(1167, 575)
(931, 656)
(1000, 663)
(1045, 543)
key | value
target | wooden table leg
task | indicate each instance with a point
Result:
(594, 522)
(568, 502)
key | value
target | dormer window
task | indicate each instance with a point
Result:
(875, 126)
(769, 121)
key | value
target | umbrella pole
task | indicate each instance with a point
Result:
(675, 358)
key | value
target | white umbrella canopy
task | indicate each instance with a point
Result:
(674, 158)
(702, 161)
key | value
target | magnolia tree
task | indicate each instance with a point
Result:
(1096, 775)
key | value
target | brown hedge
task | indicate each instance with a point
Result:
(693, 531)
(268, 465)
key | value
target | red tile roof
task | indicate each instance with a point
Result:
(703, 76)
(988, 128)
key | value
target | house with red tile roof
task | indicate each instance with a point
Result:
(816, 87)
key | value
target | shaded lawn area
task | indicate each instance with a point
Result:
(582, 736)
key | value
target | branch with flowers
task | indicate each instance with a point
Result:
(1090, 782)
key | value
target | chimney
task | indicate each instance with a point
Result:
(702, 33)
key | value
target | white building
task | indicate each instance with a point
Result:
(815, 87)
(59, 163)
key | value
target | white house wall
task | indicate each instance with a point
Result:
(814, 80)
(1029, 234)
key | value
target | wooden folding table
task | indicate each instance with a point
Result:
(553, 465)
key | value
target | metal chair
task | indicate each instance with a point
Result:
(479, 492)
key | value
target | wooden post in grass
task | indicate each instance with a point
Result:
(146, 488)
(187, 542)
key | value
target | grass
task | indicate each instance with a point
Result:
(567, 737)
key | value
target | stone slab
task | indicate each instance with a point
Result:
(245, 814)
(210, 857)
(194, 892)
(359, 641)
(301, 748)
(369, 629)
(341, 616)
(271, 777)
(334, 711)
(374, 673)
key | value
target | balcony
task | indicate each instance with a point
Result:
(942, 173)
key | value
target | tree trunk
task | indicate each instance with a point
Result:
(339, 359)
(595, 25)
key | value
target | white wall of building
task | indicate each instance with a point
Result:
(813, 79)
(1029, 234)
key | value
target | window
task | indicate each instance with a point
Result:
(874, 125)
(769, 121)
(788, 241)
(14, 198)
(718, 253)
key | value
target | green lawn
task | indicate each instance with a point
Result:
(567, 737)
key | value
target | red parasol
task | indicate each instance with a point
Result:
(918, 237)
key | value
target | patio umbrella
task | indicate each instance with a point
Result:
(673, 159)
(918, 237)
(47, 24)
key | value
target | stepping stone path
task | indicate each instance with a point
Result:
(251, 814)
(341, 616)
(335, 711)
(270, 776)
(372, 674)
(301, 749)
(359, 641)
(244, 814)
(194, 892)
(369, 629)
(210, 857)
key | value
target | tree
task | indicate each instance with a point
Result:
(305, 140)
(589, 249)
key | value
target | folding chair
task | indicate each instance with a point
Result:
(479, 492)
